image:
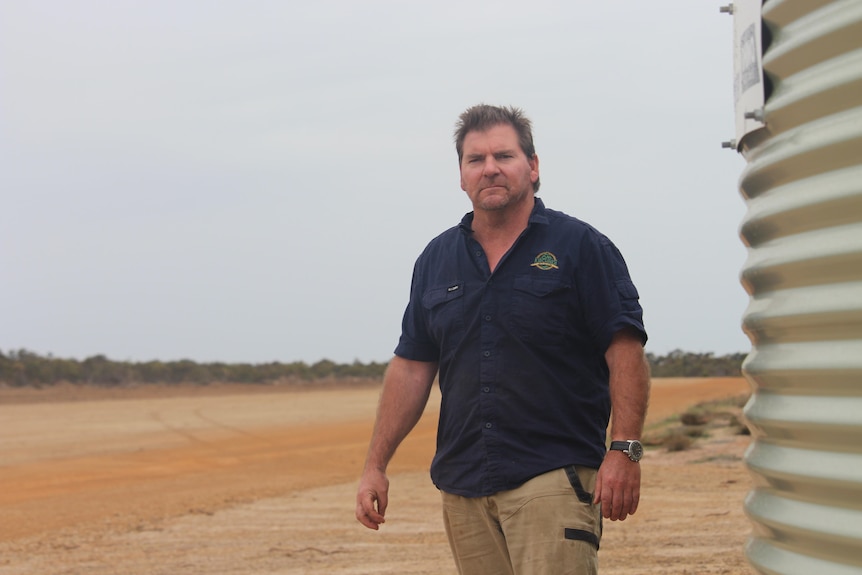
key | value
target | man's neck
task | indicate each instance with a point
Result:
(497, 231)
(496, 225)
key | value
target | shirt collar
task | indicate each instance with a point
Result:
(537, 216)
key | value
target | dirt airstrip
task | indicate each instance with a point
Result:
(254, 480)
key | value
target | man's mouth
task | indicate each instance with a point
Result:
(494, 187)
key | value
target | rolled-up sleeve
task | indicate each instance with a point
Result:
(610, 298)
(415, 342)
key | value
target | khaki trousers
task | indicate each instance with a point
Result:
(547, 526)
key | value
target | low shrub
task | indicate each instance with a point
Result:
(677, 441)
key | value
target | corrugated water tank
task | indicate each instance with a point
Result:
(802, 142)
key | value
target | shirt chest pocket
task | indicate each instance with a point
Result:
(444, 312)
(541, 309)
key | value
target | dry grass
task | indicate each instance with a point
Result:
(681, 432)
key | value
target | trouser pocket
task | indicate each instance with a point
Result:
(585, 497)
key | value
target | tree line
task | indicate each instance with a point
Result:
(24, 368)
(680, 363)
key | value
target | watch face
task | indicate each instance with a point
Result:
(636, 451)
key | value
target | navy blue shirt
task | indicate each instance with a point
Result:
(523, 376)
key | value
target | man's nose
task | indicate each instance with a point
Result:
(491, 168)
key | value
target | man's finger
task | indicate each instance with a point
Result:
(369, 518)
(367, 513)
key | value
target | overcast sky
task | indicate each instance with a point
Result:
(251, 181)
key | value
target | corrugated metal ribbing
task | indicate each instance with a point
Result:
(803, 187)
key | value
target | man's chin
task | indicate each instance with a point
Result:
(494, 204)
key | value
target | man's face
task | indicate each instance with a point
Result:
(495, 172)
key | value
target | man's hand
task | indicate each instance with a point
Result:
(372, 498)
(618, 486)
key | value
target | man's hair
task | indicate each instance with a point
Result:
(484, 117)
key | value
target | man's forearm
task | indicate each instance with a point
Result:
(406, 387)
(629, 385)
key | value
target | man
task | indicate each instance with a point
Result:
(532, 321)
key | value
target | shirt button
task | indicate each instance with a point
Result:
(486, 389)
(486, 353)
(487, 318)
(488, 426)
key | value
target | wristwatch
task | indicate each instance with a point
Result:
(631, 447)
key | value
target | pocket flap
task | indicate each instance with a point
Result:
(539, 287)
(437, 295)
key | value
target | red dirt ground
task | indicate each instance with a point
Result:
(242, 479)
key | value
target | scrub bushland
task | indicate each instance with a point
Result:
(23, 368)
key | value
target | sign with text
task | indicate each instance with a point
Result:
(748, 86)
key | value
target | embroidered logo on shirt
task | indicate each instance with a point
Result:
(545, 261)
